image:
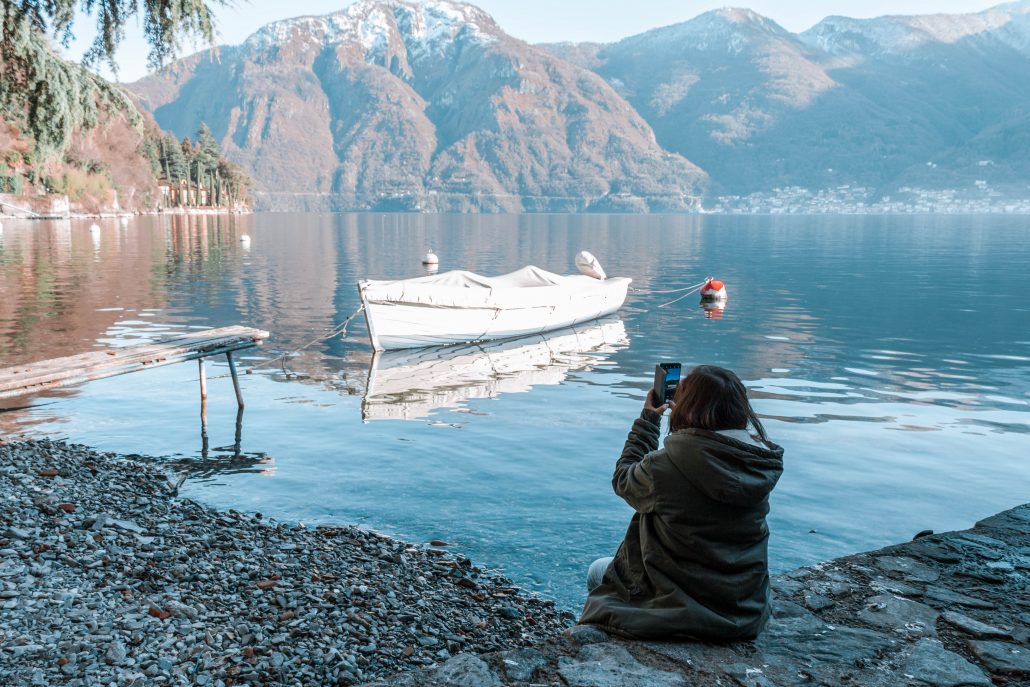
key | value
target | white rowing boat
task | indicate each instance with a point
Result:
(412, 384)
(463, 307)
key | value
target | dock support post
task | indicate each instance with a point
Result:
(235, 379)
(203, 382)
(203, 395)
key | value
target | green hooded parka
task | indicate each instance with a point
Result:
(694, 561)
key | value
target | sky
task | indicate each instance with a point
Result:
(538, 21)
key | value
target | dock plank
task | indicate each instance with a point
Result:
(74, 369)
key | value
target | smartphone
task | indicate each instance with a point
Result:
(666, 378)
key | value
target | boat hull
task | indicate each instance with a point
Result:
(399, 325)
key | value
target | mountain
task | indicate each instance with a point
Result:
(719, 86)
(874, 102)
(390, 104)
(962, 77)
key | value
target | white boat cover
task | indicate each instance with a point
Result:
(528, 287)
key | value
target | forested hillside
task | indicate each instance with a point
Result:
(66, 131)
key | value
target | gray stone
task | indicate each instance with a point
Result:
(804, 641)
(932, 664)
(509, 612)
(885, 584)
(909, 567)
(816, 602)
(520, 665)
(586, 634)
(832, 587)
(938, 551)
(611, 665)
(116, 654)
(1002, 657)
(947, 596)
(16, 533)
(127, 525)
(899, 614)
(465, 670)
(974, 627)
(704, 657)
(747, 675)
(784, 587)
(1002, 566)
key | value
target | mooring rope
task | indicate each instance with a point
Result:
(693, 290)
(340, 329)
(685, 288)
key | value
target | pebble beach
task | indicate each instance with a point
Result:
(107, 577)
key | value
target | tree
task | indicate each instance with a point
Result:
(173, 161)
(165, 23)
(208, 150)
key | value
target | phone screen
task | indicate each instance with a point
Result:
(666, 378)
(672, 380)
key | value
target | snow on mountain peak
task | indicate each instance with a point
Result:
(904, 33)
(423, 25)
(730, 29)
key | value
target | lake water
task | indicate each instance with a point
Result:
(889, 356)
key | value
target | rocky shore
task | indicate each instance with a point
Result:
(108, 578)
(944, 610)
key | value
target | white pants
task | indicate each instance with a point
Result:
(595, 573)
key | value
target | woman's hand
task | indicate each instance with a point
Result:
(651, 399)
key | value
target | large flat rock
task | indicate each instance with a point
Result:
(932, 664)
(612, 665)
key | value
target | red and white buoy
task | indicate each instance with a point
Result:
(713, 290)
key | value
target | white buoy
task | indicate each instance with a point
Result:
(430, 258)
(94, 228)
(245, 238)
(125, 221)
(587, 264)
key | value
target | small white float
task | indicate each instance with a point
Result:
(94, 228)
(462, 307)
(430, 258)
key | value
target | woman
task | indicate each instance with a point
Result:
(694, 561)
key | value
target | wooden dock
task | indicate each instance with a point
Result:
(76, 369)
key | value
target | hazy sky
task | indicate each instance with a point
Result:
(545, 20)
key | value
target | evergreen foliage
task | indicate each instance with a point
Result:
(188, 167)
(45, 95)
(49, 100)
(165, 23)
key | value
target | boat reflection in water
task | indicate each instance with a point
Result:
(408, 385)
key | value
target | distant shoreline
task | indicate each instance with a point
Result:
(116, 215)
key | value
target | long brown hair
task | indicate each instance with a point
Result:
(713, 398)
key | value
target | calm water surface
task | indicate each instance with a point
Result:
(889, 356)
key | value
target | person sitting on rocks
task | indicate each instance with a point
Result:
(694, 561)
